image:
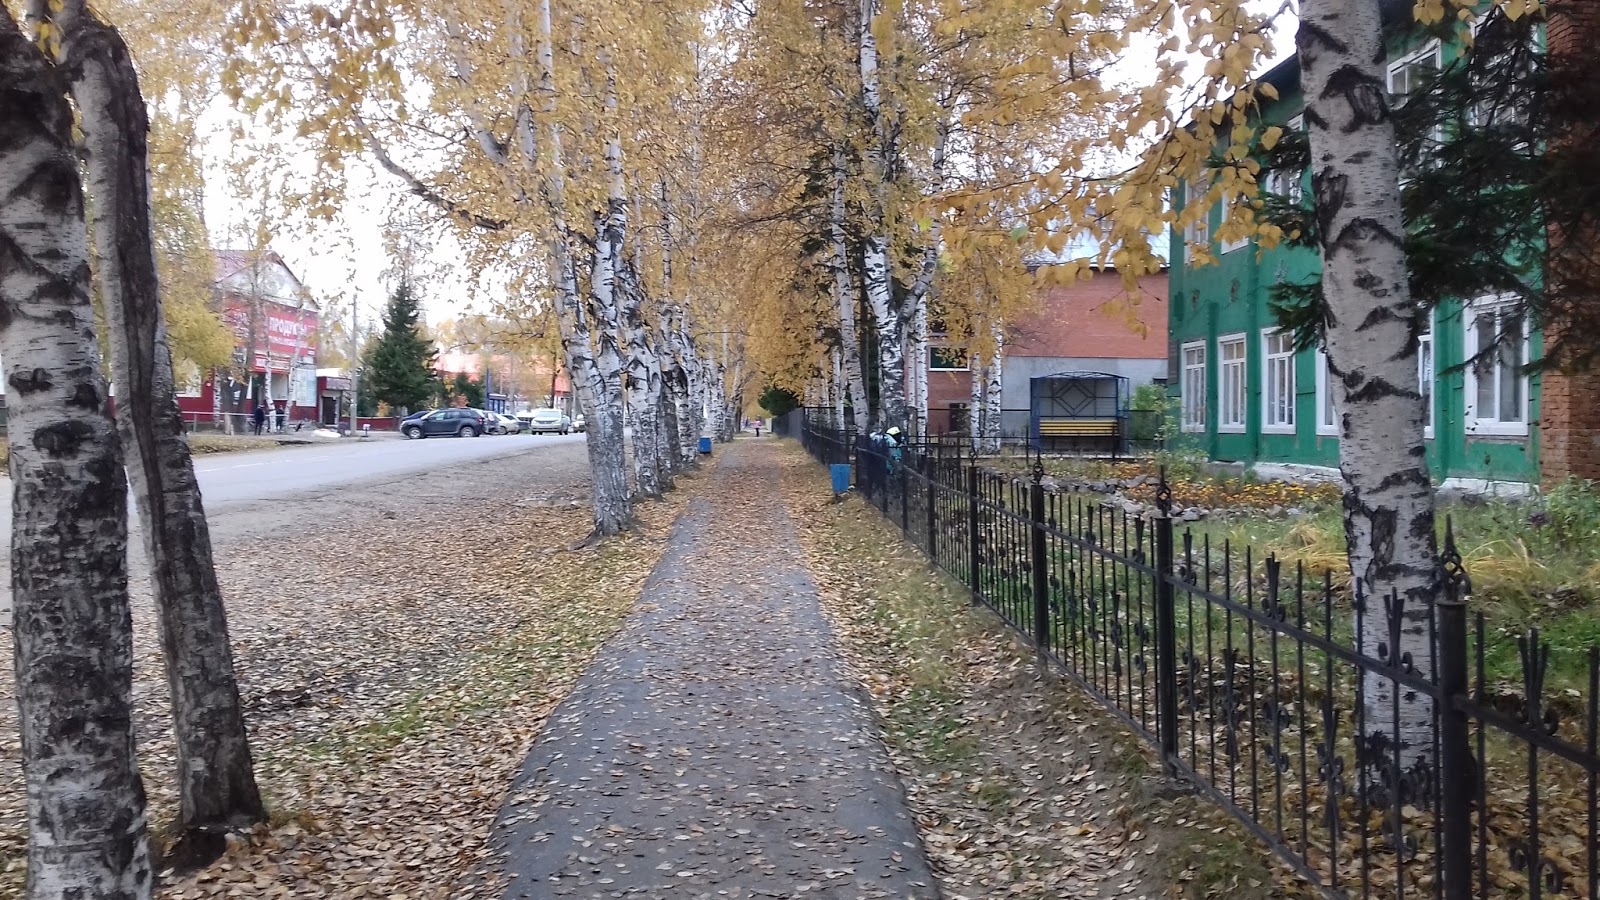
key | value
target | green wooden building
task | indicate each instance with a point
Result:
(1245, 395)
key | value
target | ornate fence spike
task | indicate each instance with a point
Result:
(1457, 583)
(1163, 492)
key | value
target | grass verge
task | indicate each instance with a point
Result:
(1020, 787)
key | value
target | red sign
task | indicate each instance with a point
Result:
(286, 333)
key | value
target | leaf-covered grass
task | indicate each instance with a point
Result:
(1021, 786)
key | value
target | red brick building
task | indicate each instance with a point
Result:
(274, 322)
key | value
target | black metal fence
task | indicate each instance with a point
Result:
(1370, 745)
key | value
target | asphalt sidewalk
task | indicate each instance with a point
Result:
(716, 748)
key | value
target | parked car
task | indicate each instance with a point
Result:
(507, 424)
(414, 417)
(548, 421)
(459, 422)
(580, 423)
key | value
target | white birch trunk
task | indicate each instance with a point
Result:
(845, 298)
(593, 359)
(71, 627)
(216, 777)
(1372, 329)
(875, 269)
(836, 389)
(993, 394)
(644, 392)
(976, 407)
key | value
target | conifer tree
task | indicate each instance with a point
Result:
(401, 366)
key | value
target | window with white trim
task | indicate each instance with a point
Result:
(1407, 74)
(1231, 386)
(1237, 243)
(1277, 375)
(1287, 183)
(1198, 232)
(1327, 411)
(1425, 374)
(1497, 385)
(1193, 386)
(947, 359)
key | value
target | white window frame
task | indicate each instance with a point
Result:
(1228, 369)
(1198, 231)
(964, 367)
(1192, 402)
(1225, 247)
(1326, 427)
(1270, 358)
(1476, 424)
(1283, 182)
(1427, 374)
(1404, 63)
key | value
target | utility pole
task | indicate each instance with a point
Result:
(355, 362)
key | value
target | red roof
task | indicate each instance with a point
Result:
(1096, 318)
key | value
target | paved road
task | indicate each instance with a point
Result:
(230, 481)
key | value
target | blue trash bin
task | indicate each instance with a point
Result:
(705, 445)
(840, 472)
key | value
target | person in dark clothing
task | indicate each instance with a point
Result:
(259, 417)
(283, 413)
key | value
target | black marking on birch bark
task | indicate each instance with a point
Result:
(1329, 187)
(1373, 389)
(1403, 477)
(30, 382)
(1359, 230)
(85, 396)
(63, 438)
(1371, 283)
(1378, 315)
(1367, 97)
(1314, 119)
(1311, 37)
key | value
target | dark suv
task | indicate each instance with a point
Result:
(459, 422)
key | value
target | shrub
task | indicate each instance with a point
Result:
(1572, 512)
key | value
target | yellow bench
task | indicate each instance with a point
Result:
(1053, 428)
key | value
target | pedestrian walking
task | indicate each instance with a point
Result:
(283, 413)
(259, 417)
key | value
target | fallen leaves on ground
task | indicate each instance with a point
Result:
(397, 658)
(1020, 786)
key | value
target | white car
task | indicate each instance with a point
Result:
(547, 421)
(508, 424)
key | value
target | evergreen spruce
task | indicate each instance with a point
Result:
(400, 367)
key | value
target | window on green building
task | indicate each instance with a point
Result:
(1198, 232)
(1327, 412)
(1277, 373)
(1497, 387)
(1425, 373)
(1231, 385)
(1193, 386)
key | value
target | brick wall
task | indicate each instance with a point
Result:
(1569, 402)
(1569, 426)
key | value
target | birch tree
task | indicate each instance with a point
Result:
(216, 777)
(71, 625)
(1371, 328)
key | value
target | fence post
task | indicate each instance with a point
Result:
(931, 466)
(1041, 563)
(905, 481)
(1457, 773)
(1166, 628)
(973, 574)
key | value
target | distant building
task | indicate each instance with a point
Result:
(274, 322)
(1092, 325)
